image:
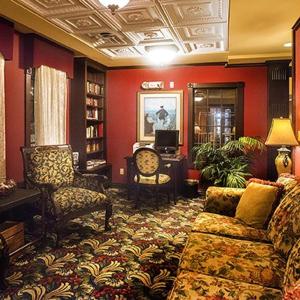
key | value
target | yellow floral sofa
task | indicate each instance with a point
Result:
(226, 259)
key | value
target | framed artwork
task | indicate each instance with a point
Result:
(159, 110)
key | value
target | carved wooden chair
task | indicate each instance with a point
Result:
(151, 172)
(67, 194)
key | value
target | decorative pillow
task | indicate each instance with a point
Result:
(279, 195)
(256, 204)
(289, 181)
(279, 185)
(284, 227)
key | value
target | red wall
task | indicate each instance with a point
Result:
(297, 97)
(122, 86)
(15, 113)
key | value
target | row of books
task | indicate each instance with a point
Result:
(94, 88)
(92, 101)
(92, 131)
(93, 146)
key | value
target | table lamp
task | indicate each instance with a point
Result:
(281, 133)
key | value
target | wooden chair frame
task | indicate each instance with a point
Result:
(162, 168)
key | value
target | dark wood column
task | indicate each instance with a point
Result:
(278, 102)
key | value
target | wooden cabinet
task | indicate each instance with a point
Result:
(87, 116)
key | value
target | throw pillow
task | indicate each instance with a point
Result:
(279, 196)
(256, 204)
(289, 181)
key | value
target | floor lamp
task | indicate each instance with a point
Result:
(281, 134)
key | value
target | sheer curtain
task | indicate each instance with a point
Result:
(2, 122)
(50, 97)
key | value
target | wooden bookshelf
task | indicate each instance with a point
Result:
(87, 116)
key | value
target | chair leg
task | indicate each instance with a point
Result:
(57, 235)
(137, 196)
(174, 195)
(108, 214)
(156, 196)
(169, 192)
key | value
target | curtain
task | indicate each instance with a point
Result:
(50, 97)
(2, 122)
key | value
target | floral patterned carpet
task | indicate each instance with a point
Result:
(137, 259)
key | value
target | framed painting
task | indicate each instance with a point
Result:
(161, 110)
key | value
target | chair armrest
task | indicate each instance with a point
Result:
(222, 200)
(92, 182)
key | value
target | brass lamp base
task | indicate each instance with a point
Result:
(283, 162)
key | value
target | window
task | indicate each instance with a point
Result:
(215, 113)
(46, 94)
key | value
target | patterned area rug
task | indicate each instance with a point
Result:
(137, 259)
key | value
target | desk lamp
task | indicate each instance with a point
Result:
(281, 133)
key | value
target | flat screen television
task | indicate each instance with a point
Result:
(166, 141)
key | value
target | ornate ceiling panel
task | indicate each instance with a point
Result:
(194, 26)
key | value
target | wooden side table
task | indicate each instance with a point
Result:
(15, 199)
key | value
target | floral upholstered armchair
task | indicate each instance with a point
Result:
(151, 172)
(67, 194)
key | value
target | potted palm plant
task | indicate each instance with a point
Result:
(228, 165)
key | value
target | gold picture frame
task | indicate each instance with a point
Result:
(159, 110)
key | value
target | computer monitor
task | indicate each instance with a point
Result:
(166, 141)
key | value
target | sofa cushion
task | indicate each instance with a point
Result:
(284, 227)
(227, 226)
(81, 199)
(292, 271)
(256, 204)
(195, 286)
(162, 179)
(240, 260)
(222, 200)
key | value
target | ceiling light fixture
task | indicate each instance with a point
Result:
(161, 55)
(113, 5)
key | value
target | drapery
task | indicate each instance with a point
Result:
(2, 122)
(50, 97)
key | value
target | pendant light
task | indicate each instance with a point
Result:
(113, 5)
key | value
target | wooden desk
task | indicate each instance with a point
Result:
(15, 199)
(178, 165)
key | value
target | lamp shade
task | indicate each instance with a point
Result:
(281, 133)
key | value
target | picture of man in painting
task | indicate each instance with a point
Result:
(159, 114)
(162, 114)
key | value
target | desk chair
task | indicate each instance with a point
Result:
(149, 172)
(66, 193)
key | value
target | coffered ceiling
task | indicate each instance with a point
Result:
(202, 30)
